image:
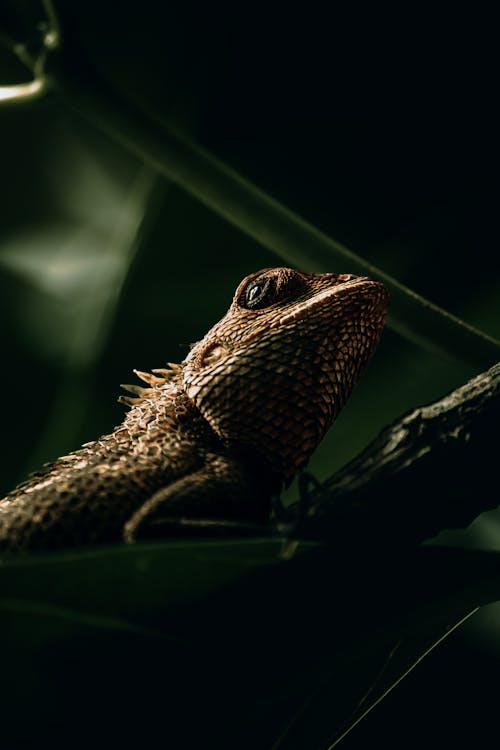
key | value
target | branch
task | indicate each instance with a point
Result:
(435, 468)
(48, 39)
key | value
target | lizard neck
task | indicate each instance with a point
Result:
(167, 413)
(170, 420)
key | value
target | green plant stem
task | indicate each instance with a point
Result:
(259, 215)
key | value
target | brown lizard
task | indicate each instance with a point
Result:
(217, 436)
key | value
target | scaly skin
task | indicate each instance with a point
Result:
(218, 435)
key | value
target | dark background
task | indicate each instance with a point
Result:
(378, 127)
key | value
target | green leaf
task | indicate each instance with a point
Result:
(221, 642)
(262, 217)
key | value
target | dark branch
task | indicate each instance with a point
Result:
(435, 468)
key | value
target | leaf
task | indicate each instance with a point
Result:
(220, 642)
(261, 216)
(73, 271)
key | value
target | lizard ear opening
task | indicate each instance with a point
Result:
(212, 354)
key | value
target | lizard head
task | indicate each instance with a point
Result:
(273, 374)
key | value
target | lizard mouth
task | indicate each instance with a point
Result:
(368, 292)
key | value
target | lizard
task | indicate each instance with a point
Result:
(219, 435)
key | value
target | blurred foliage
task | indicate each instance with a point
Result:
(105, 267)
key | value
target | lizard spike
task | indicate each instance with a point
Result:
(128, 400)
(151, 380)
(137, 390)
(168, 372)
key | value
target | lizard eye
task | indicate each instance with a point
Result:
(258, 294)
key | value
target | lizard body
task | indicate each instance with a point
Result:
(218, 435)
